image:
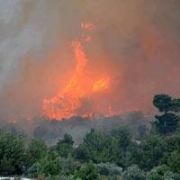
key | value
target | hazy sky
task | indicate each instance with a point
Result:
(138, 41)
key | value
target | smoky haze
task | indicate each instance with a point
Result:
(137, 41)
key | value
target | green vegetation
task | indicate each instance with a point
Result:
(110, 155)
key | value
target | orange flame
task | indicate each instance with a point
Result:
(68, 101)
(101, 85)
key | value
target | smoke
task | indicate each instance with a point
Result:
(137, 41)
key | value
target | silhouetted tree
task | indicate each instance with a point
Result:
(163, 102)
(167, 122)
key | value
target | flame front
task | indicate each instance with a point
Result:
(101, 85)
(81, 87)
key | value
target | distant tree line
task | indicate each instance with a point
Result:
(111, 155)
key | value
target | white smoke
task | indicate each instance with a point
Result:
(22, 32)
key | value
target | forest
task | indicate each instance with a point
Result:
(109, 155)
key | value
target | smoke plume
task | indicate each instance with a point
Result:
(137, 42)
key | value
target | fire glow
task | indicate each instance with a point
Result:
(80, 88)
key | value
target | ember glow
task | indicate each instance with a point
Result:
(69, 101)
(100, 85)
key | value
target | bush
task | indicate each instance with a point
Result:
(87, 172)
(109, 169)
(49, 165)
(134, 173)
(157, 173)
(174, 161)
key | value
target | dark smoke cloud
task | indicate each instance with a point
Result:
(139, 40)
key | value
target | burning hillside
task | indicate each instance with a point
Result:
(64, 58)
(81, 93)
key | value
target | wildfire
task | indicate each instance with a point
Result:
(69, 101)
(101, 85)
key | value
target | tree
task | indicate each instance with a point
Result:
(109, 169)
(157, 173)
(65, 146)
(96, 146)
(87, 172)
(134, 173)
(120, 146)
(176, 105)
(105, 147)
(174, 161)
(163, 102)
(123, 137)
(95, 140)
(173, 142)
(12, 154)
(68, 166)
(150, 152)
(82, 153)
(6, 166)
(68, 139)
(166, 123)
(49, 165)
(37, 150)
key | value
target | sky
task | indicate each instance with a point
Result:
(136, 41)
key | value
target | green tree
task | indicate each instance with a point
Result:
(120, 147)
(157, 173)
(68, 139)
(68, 166)
(37, 150)
(108, 169)
(87, 172)
(134, 173)
(95, 147)
(166, 123)
(174, 161)
(7, 167)
(82, 153)
(49, 165)
(12, 154)
(173, 143)
(150, 152)
(101, 147)
(122, 136)
(65, 146)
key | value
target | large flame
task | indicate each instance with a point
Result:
(81, 87)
